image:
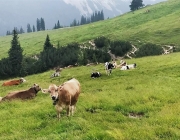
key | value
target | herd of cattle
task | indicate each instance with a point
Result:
(113, 65)
(63, 96)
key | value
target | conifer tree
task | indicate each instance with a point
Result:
(34, 29)
(47, 44)
(38, 24)
(58, 24)
(136, 4)
(42, 24)
(15, 54)
(21, 30)
(29, 28)
(102, 15)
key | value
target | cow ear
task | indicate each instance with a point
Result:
(60, 88)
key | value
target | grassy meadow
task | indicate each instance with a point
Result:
(160, 26)
(138, 104)
(142, 103)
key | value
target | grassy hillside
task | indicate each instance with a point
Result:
(160, 26)
(105, 106)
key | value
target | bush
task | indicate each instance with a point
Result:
(149, 49)
(120, 48)
(101, 42)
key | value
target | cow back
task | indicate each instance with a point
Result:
(12, 82)
(69, 92)
(24, 94)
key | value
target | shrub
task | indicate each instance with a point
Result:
(120, 48)
(149, 49)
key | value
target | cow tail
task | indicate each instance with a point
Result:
(70, 100)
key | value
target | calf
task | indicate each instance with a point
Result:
(95, 74)
(14, 82)
(23, 94)
(65, 96)
(108, 68)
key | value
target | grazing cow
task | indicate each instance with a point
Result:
(127, 67)
(108, 68)
(65, 96)
(23, 94)
(14, 82)
(95, 74)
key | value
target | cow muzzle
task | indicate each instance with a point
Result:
(53, 97)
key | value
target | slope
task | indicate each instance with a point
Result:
(157, 24)
(137, 104)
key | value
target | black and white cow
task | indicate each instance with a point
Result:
(55, 74)
(108, 67)
(95, 74)
(127, 67)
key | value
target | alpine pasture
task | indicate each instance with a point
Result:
(139, 104)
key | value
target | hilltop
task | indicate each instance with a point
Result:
(156, 24)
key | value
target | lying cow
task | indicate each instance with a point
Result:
(95, 74)
(108, 68)
(127, 67)
(55, 74)
(14, 82)
(23, 94)
(65, 96)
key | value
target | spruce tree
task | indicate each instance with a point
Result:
(47, 44)
(42, 24)
(15, 54)
(34, 29)
(58, 24)
(102, 15)
(38, 24)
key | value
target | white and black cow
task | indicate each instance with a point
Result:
(127, 67)
(95, 74)
(108, 67)
(55, 74)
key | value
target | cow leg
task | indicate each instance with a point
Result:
(73, 108)
(68, 109)
(58, 110)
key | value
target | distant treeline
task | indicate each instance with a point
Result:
(40, 26)
(40, 23)
(96, 16)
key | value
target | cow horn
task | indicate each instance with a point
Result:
(44, 90)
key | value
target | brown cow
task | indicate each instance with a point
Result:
(14, 82)
(23, 94)
(65, 96)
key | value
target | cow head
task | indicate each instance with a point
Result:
(36, 88)
(53, 90)
(22, 80)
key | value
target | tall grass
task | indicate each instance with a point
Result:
(160, 26)
(150, 92)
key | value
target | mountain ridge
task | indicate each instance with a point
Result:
(19, 13)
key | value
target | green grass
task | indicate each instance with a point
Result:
(159, 26)
(152, 89)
